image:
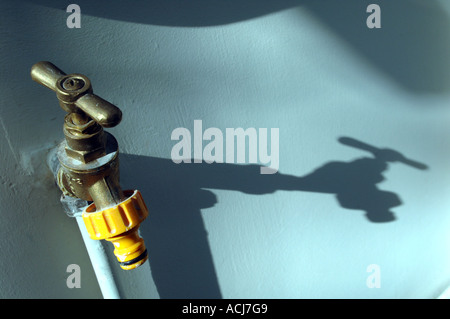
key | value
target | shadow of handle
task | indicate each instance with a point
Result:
(383, 154)
(358, 144)
(413, 163)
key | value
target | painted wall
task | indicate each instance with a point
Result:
(313, 70)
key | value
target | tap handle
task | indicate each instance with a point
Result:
(47, 74)
(75, 94)
(100, 110)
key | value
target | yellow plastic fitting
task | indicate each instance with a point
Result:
(119, 225)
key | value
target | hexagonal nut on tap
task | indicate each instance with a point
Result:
(85, 141)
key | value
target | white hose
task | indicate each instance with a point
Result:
(96, 251)
(100, 262)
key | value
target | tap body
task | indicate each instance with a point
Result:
(89, 164)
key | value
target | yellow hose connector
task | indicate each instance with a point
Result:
(119, 225)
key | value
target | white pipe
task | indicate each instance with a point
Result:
(96, 251)
(100, 262)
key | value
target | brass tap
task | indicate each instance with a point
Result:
(89, 167)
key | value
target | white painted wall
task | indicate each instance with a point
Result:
(311, 69)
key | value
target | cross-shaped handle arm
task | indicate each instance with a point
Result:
(74, 92)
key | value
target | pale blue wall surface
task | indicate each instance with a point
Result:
(313, 70)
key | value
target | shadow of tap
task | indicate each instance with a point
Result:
(175, 234)
(355, 183)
